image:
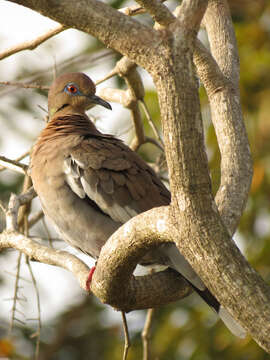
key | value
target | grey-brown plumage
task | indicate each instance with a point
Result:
(91, 183)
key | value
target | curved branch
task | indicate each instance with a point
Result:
(139, 293)
(223, 92)
(120, 255)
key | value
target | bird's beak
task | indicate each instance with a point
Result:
(98, 101)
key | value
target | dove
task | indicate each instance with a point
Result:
(90, 183)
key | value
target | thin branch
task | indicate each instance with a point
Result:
(122, 67)
(32, 44)
(126, 334)
(78, 61)
(35, 218)
(136, 93)
(129, 98)
(14, 204)
(15, 296)
(24, 85)
(44, 254)
(146, 334)
(151, 123)
(150, 140)
(49, 237)
(34, 282)
(13, 165)
(21, 157)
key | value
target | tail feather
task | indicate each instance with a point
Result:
(178, 262)
(224, 315)
(231, 324)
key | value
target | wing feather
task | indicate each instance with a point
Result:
(114, 177)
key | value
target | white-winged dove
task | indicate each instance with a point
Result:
(90, 183)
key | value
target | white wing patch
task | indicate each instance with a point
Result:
(84, 185)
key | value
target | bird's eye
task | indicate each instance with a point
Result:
(72, 89)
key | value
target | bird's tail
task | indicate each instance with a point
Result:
(181, 265)
(224, 315)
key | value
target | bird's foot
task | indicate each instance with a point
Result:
(89, 279)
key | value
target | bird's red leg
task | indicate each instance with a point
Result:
(89, 279)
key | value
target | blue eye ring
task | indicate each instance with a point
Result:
(72, 89)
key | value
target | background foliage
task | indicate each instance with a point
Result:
(186, 330)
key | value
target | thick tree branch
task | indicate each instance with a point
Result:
(123, 251)
(218, 23)
(211, 252)
(190, 14)
(236, 162)
(160, 288)
(107, 24)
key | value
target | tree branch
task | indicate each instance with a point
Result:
(119, 257)
(12, 165)
(38, 252)
(159, 12)
(32, 44)
(236, 162)
(107, 24)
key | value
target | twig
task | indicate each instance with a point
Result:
(14, 275)
(13, 165)
(21, 157)
(24, 210)
(35, 218)
(154, 142)
(150, 121)
(13, 207)
(37, 333)
(15, 297)
(146, 334)
(44, 254)
(126, 333)
(122, 67)
(47, 232)
(32, 44)
(24, 85)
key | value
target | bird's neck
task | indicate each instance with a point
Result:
(69, 124)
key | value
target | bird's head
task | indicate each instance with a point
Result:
(73, 93)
